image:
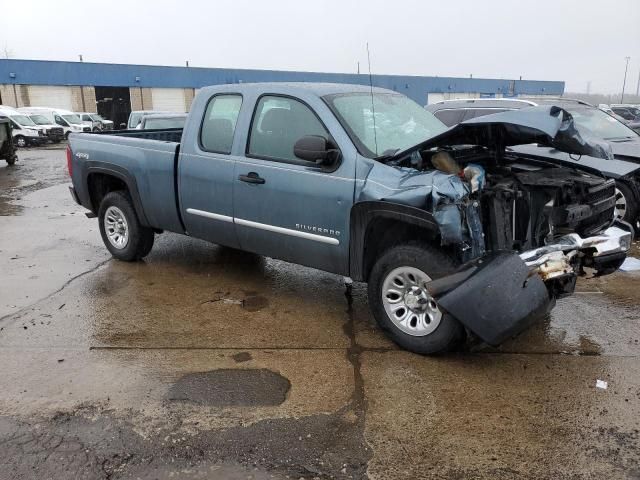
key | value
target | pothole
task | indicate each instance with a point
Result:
(231, 387)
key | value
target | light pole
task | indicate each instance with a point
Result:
(624, 82)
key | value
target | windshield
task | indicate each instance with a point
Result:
(73, 118)
(96, 118)
(40, 119)
(399, 123)
(596, 123)
(23, 120)
(157, 123)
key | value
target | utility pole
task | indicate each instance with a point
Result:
(358, 68)
(638, 85)
(624, 82)
(588, 87)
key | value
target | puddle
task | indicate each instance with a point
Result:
(254, 303)
(231, 388)
(242, 357)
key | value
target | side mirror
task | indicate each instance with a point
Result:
(317, 149)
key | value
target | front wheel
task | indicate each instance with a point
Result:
(402, 305)
(627, 208)
(21, 141)
(121, 231)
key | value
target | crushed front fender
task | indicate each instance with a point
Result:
(495, 297)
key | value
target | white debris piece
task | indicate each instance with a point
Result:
(601, 384)
(630, 264)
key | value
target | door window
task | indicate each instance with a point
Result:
(278, 123)
(219, 123)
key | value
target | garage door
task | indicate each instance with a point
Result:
(168, 99)
(53, 97)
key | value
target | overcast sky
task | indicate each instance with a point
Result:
(572, 40)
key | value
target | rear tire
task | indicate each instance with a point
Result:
(12, 160)
(409, 316)
(121, 231)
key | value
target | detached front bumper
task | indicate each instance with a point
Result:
(502, 293)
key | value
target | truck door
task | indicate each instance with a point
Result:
(206, 171)
(285, 207)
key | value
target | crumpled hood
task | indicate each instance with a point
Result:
(627, 150)
(546, 125)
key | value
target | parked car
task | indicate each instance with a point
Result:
(135, 117)
(25, 133)
(95, 121)
(450, 230)
(7, 149)
(54, 133)
(590, 122)
(628, 112)
(159, 121)
(69, 121)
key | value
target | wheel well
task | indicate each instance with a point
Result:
(384, 233)
(100, 184)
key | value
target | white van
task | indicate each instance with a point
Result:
(69, 121)
(24, 131)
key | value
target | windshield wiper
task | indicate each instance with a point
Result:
(387, 154)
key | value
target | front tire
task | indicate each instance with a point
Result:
(627, 207)
(21, 141)
(402, 306)
(121, 231)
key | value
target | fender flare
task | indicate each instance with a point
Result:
(363, 213)
(121, 174)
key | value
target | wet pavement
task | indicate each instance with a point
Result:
(206, 362)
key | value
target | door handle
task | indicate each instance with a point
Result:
(251, 177)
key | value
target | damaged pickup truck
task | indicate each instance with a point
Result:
(452, 231)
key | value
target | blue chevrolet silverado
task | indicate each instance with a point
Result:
(453, 231)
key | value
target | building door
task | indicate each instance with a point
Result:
(168, 99)
(114, 103)
(50, 96)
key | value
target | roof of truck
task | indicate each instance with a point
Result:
(319, 89)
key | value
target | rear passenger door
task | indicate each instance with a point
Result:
(206, 171)
(285, 207)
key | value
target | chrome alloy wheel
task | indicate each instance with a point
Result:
(408, 303)
(115, 224)
(621, 204)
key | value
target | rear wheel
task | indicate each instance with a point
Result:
(402, 305)
(121, 231)
(12, 160)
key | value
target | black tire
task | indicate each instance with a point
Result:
(140, 238)
(449, 333)
(633, 209)
(12, 160)
(21, 142)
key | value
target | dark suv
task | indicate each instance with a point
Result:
(590, 121)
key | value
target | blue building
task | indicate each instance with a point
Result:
(113, 90)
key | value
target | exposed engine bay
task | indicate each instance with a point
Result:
(518, 203)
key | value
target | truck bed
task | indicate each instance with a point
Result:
(165, 135)
(145, 159)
